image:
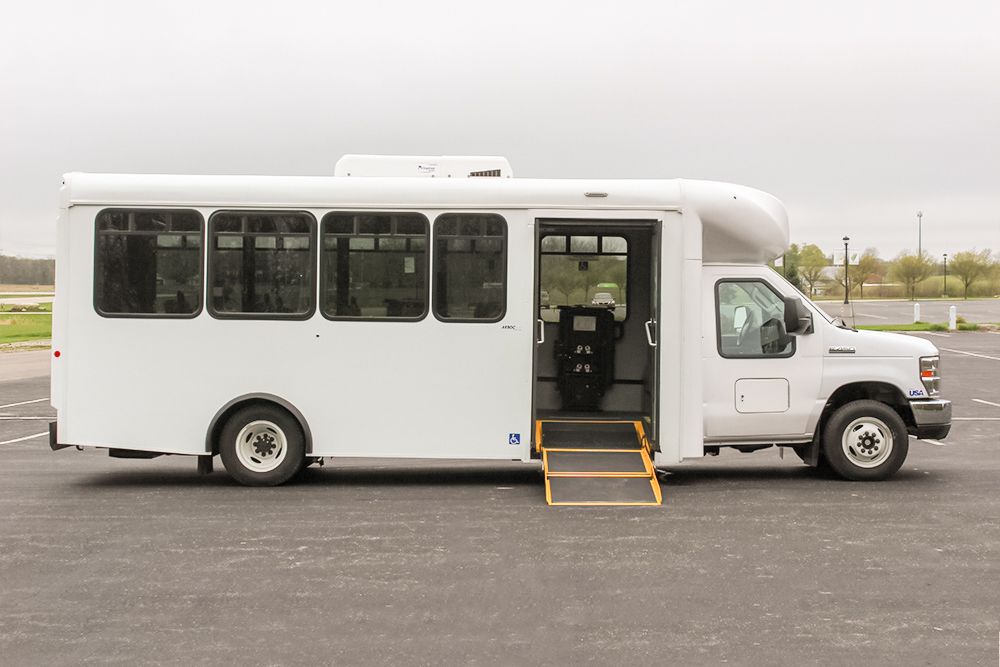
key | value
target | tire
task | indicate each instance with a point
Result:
(262, 445)
(865, 441)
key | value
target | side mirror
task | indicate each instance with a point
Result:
(798, 319)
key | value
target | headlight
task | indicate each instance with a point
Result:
(930, 374)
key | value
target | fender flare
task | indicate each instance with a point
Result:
(219, 420)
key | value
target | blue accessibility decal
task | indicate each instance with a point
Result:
(515, 439)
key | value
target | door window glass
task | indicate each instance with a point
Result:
(583, 270)
(751, 320)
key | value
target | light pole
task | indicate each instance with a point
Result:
(847, 286)
(920, 233)
(946, 275)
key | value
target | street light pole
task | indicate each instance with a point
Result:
(946, 275)
(847, 285)
(920, 233)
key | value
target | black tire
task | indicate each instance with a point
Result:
(262, 445)
(865, 441)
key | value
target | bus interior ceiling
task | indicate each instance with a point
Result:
(585, 338)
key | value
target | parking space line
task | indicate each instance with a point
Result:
(979, 400)
(971, 354)
(11, 405)
(27, 437)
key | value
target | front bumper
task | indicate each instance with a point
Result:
(932, 419)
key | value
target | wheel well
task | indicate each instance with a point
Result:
(223, 415)
(875, 391)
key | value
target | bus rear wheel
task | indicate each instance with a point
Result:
(865, 441)
(262, 445)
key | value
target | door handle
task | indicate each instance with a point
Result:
(541, 332)
(649, 332)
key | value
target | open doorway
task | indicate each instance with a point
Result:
(597, 303)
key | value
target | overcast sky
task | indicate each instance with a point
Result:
(857, 114)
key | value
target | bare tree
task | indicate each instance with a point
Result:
(868, 266)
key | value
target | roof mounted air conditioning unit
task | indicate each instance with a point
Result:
(441, 166)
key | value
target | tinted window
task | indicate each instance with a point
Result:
(148, 262)
(374, 266)
(261, 264)
(470, 259)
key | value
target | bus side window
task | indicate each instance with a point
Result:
(470, 274)
(148, 263)
(374, 266)
(261, 264)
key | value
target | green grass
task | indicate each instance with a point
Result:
(17, 328)
(918, 326)
(12, 307)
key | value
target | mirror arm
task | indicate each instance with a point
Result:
(798, 319)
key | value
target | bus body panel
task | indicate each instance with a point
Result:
(401, 389)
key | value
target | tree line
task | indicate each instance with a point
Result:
(909, 275)
(21, 271)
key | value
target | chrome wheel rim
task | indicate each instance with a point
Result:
(261, 446)
(867, 442)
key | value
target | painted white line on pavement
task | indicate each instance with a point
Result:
(10, 405)
(979, 400)
(975, 419)
(27, 437)
(934, 442)
(972, 354)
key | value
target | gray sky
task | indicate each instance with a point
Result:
(856, 114)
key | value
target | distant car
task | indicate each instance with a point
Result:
(543, 299)
(603, 299)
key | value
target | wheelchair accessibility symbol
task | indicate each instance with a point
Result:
(515, 439)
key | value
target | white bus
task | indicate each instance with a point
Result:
(396, 309)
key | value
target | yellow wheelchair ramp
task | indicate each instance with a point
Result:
(597, 463)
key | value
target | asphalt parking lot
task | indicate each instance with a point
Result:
(751, 560)
(980, 311)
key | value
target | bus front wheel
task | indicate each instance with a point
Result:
(262, 445)
(865, 441)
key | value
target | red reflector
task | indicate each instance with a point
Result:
(57, 353)
(926, 374)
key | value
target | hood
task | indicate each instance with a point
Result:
(876, 344)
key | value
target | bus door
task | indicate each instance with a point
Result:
(597, 305)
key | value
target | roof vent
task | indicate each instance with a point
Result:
(442, 166)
